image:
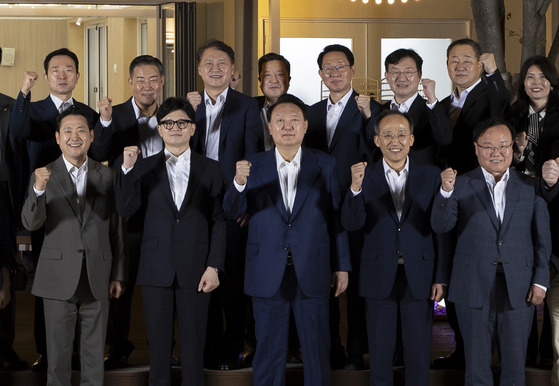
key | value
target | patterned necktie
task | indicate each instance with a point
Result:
(64, 106)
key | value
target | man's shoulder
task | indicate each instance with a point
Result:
(85, 108)
(6, 102)
(123, 107)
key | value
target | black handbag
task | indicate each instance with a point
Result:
(18, 277)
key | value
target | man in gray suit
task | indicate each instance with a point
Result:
(81, 263)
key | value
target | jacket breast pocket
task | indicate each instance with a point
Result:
(51, 253)
(148, 244)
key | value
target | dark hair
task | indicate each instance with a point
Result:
(520, 106)
(218, 45)
(61, 52)
(468, 42)
(284, 99)
(270, 57)
(485, 125)
(396, 56)
(173, 104)
(72, 110)
(145, 60)
(388, 113)
(336, 48)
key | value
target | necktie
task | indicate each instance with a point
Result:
(63, 107)
(533, 137)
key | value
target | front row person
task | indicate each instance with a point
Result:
(179, 193)
(81, 263)
(296, 247)
(403, 267)
(501, 261)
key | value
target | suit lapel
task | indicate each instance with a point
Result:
(227, 115)
(163, 177)
(62, 177)
(307, 175)
(93, 181)
(473, 97)
(196, 170)
(482, 191)
(512, 193)
(347, 117)
(413, 180)
(269, 176)
(383, 192)
(200, 136)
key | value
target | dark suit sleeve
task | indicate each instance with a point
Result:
(369, 130)
(102, 145)
(353, 211)
(254, 136)
(235, 202)
(218, 238)
(34, 213)
(19, 120)
(440, 126)
(499, 97)
(129, 191)
(541, 236)
(117, 225)
(339, 244)
(443, 248)
(444, 213)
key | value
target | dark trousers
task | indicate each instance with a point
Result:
(495, 324)
(272, 330)
(191, 307)
(416, 321)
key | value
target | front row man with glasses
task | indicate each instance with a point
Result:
(403, 266)
(501, 260)
(178, 192)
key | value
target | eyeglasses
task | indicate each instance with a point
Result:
(488, 150)
(181, 124)
(396, 74)
(339, 68)
(389, 137)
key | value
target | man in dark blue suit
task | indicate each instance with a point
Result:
(35, 122)
(133, 123)
(229, 130)
(338, 126)
(501, 260)
(403, 267)
(296, 248)
(178, 194)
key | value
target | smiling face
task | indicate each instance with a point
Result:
(288, 126)
(74, 138)
(176, 140)
(216, 69)
(274, 80)
(404, 87)
(536, 85)
(146, 84)
(61, 76)
(489, 157)
(394, 149)
(337, 81)
(464, 67)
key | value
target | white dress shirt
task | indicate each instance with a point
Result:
(458, 102)
(178, 171)
(397, 184)
(333, 113)
(404, 107)
(213, 123)
(150, 141)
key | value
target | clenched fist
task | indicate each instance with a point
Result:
(448, 176)
(550, 171)
(130, 156)
(105, 108)
(194, 98)
(357, 175)
(429, 90)
(243, 171)
(29, 78)
(364, 105)
(42, 175)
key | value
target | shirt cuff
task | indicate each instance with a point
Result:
(355, 193)
(38, 192)
(446, 194)
(126, 171)
(240, 188)
(105, 123)
(488, 75)
(432, 105)
(541, 286)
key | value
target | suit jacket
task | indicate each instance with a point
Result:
(431, 130)
(123, 131)
(489, 99)
(522, 241)
(71, 239)
(176, 243)
(387, 237)
(312, 232)
(349, 143)
(36, 123)
(549, 136)
(240, 134)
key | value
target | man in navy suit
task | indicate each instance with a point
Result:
(178, 192)
(338, 126)
(133, 123)
(501, 260)
(403, 267)
(296, 248)
(430, 121)
(229, 130)
(35, 122)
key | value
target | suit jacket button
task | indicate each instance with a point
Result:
(84, 230)
(399, 229)
(81, 251)
(495, 263)
(500, 243)
(285, 248)
(178, 221)
(290, 226)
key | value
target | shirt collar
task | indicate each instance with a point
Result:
(532, 111)
(280, 161)
(388, 169)
(466, 91)
(491, 180)
(58, 102)
(137, 111)
(342, 102)
(184, 156)
(70, 167)
(408, 102)
(219, 100)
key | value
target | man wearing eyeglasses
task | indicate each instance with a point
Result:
(403, 267)
(431, 127)
(501, 260)
(338, 126)
(178, 194)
